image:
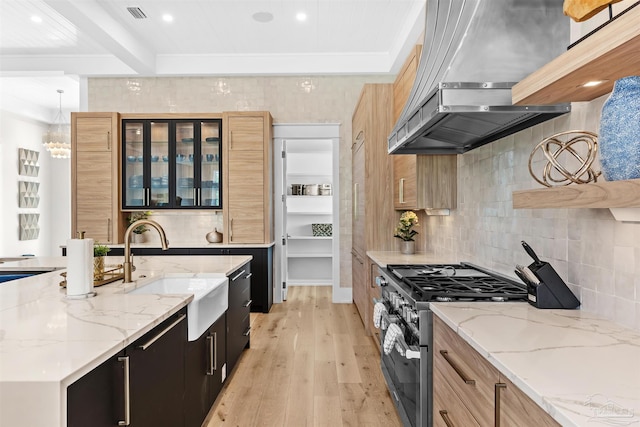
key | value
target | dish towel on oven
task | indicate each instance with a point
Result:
(378, 310)
(393, 332)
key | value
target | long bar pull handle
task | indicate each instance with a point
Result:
(355, 200)
(456, 368)
(230, 140)
(109, 140)
(246, 333)
(108, 229)
(233, 279)
(247, 304)
(445, 417)
(249, 275)
(496, 404)
(215, 351)
(164, 331)
(231, 230)
(211, 368)
(401, 190)
(127, 392)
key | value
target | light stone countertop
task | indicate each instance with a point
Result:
(581, 369)
(190, 244)
(48, 341)
(382, 258)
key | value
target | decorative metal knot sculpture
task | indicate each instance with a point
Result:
(556, 174)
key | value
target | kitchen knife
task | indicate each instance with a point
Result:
(531, 253)
(521, 276)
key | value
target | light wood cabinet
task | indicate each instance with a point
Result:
(372, 209)
(247, 177)
(95, 177)
(607, 55)
(425, 181)
(420, 181)
(467, 387)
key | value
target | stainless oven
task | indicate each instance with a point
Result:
(406, 324)
(409, 360)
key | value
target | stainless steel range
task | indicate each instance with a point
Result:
(405, 320)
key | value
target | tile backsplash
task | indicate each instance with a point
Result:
(598, 257)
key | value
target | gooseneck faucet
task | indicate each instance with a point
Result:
(128, 262)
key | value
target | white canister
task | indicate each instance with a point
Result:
(310, 189)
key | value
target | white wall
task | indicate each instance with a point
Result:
(54, 177)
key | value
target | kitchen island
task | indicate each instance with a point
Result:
(48, 341)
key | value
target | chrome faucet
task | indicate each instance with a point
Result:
(128, 259)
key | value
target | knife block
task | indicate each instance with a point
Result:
(551, 292)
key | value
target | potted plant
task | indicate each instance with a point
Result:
(139, 230)
(405, 232)
(99, 252)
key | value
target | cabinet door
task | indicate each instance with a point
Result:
(205, 372)
(404, 182)
(156, 363)
(238, 314)
(359, 285)
(358, 213)
(97, 399)
(217, 351)
(94, 177)
(246, 133)
(93, 196)
(246, 197)
(514, 408)
(94, 133)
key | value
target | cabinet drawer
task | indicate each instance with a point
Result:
(457, 361)
(448, 406)
(517, 409)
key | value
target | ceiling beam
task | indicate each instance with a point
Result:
(91, 18)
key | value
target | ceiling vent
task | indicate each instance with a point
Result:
(137, 12)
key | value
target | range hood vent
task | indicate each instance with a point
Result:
(474, 51)
(136, 12)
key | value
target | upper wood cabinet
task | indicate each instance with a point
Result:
(420, 181)
(94, 177)
(248, 177)
(609, 54)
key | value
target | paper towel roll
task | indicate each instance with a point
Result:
(79, 267)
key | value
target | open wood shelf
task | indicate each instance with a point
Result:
(606, 194)
(610, 53)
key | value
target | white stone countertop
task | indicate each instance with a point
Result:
(190, 244)
(48, 341)
(581, 369)
(382, 258)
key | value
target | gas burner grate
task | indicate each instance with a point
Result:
(465, 288)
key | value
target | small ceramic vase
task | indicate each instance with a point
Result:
(407, 247)
(214, 237)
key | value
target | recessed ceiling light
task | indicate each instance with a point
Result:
(167, 18)
(593, 83)
(36, 19)
(301, 16)
(263, 16)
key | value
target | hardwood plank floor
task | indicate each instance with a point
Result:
(310, 364)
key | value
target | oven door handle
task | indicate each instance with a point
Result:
(409, 352)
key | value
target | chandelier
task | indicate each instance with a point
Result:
(57, 139)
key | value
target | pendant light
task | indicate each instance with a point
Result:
(57, 139)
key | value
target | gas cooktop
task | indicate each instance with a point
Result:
(457, 282)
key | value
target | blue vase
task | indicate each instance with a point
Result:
(620, 131)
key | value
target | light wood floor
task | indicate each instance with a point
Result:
(310, 364)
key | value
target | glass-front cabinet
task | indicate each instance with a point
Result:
(173, 164)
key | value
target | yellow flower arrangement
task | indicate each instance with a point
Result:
(404, 230)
